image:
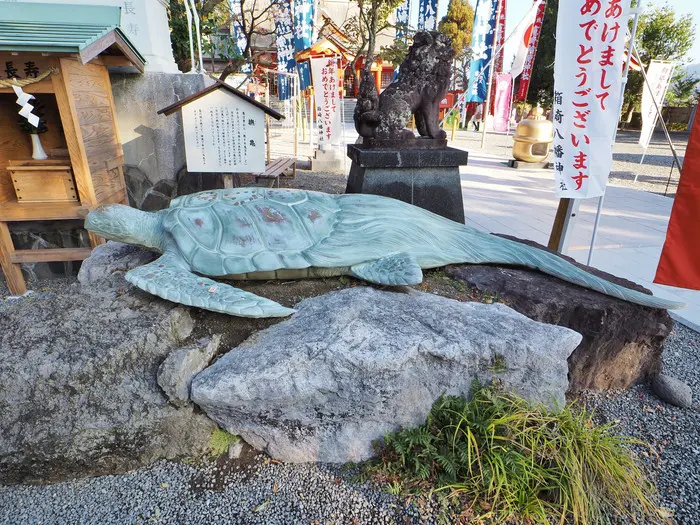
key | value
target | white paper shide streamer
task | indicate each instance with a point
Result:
(23, 101)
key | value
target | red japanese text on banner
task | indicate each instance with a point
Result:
(498, 43)
(659, 76)
(533, 39)
(587, 80)
(501, 114)
(324, 75)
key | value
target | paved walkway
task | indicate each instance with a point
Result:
(632, 228)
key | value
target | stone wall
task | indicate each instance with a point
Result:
(154, 148)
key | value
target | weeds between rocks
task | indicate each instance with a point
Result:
(497, 459)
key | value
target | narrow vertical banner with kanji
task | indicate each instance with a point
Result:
(533, 39)
(285, 47)
(659, 75)
(427, 15)
(324, 75)
(402, 14)
(304, 15)
(501, 98)
(239, 35)
(587, 90)
(482, 47)
(499, 49)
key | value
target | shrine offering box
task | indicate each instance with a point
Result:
(42, 181)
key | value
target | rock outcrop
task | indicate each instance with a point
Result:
(79, 394)
(355, 364)
(622, 342)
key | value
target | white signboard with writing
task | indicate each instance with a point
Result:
(659, 77)
(224, 133)
(587, 90)
(324, 75)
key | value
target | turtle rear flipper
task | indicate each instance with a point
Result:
(400, 269)
(169, 277)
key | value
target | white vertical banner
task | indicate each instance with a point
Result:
(587, 90)
(659, 76)
(324, 76)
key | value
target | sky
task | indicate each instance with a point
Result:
(516, 9)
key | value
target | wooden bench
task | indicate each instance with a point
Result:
(276, 168)
(272, 172)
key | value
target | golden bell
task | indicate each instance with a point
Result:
(533, 137)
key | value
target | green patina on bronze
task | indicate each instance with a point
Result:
(259, 233)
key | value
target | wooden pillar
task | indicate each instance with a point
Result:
(12, 271)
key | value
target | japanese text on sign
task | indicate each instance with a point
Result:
(324, 72)
(224, 133)
(587, 81)
(658, 77)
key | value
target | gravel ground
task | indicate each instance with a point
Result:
(674, 433)
(168, 492)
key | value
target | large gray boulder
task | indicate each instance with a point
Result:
(79, 394)
(622, 341)
(112, 257)
(355, 364)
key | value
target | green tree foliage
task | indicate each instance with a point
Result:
(457, 24)
(542, 78)
(216, 26)
(684, 89)
(362, 29)
(395, 53)
(661, 35)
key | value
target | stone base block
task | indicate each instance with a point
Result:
(422, 177)
(328, 160)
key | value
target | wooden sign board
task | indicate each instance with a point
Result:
(224, 133)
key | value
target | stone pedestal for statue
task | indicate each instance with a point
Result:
(428, 178)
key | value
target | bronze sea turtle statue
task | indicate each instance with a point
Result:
(257, 233)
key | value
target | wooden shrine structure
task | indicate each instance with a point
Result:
(60, 54)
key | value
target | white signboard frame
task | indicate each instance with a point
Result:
(224, 134)
(326, 82)
(659, 76)
(587, 93)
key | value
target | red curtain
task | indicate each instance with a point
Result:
(680, 259)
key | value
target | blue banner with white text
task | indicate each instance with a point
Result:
(238, 34)
(482, 48)
(304, 70)
(402, 13)
(285, 48)
(303, 24)
(427, 15)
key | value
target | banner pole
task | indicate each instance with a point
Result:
(625, 73)
(494, 54)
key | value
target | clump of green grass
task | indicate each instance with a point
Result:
(504, 459)
(220, 441)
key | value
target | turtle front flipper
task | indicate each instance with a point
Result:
(169, 277)
(400, 269)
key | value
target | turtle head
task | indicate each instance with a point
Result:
(128, 225)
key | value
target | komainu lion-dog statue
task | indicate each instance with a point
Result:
(421, 84)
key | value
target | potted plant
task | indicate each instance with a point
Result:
(38, 152)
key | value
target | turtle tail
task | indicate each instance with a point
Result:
(503, 251)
